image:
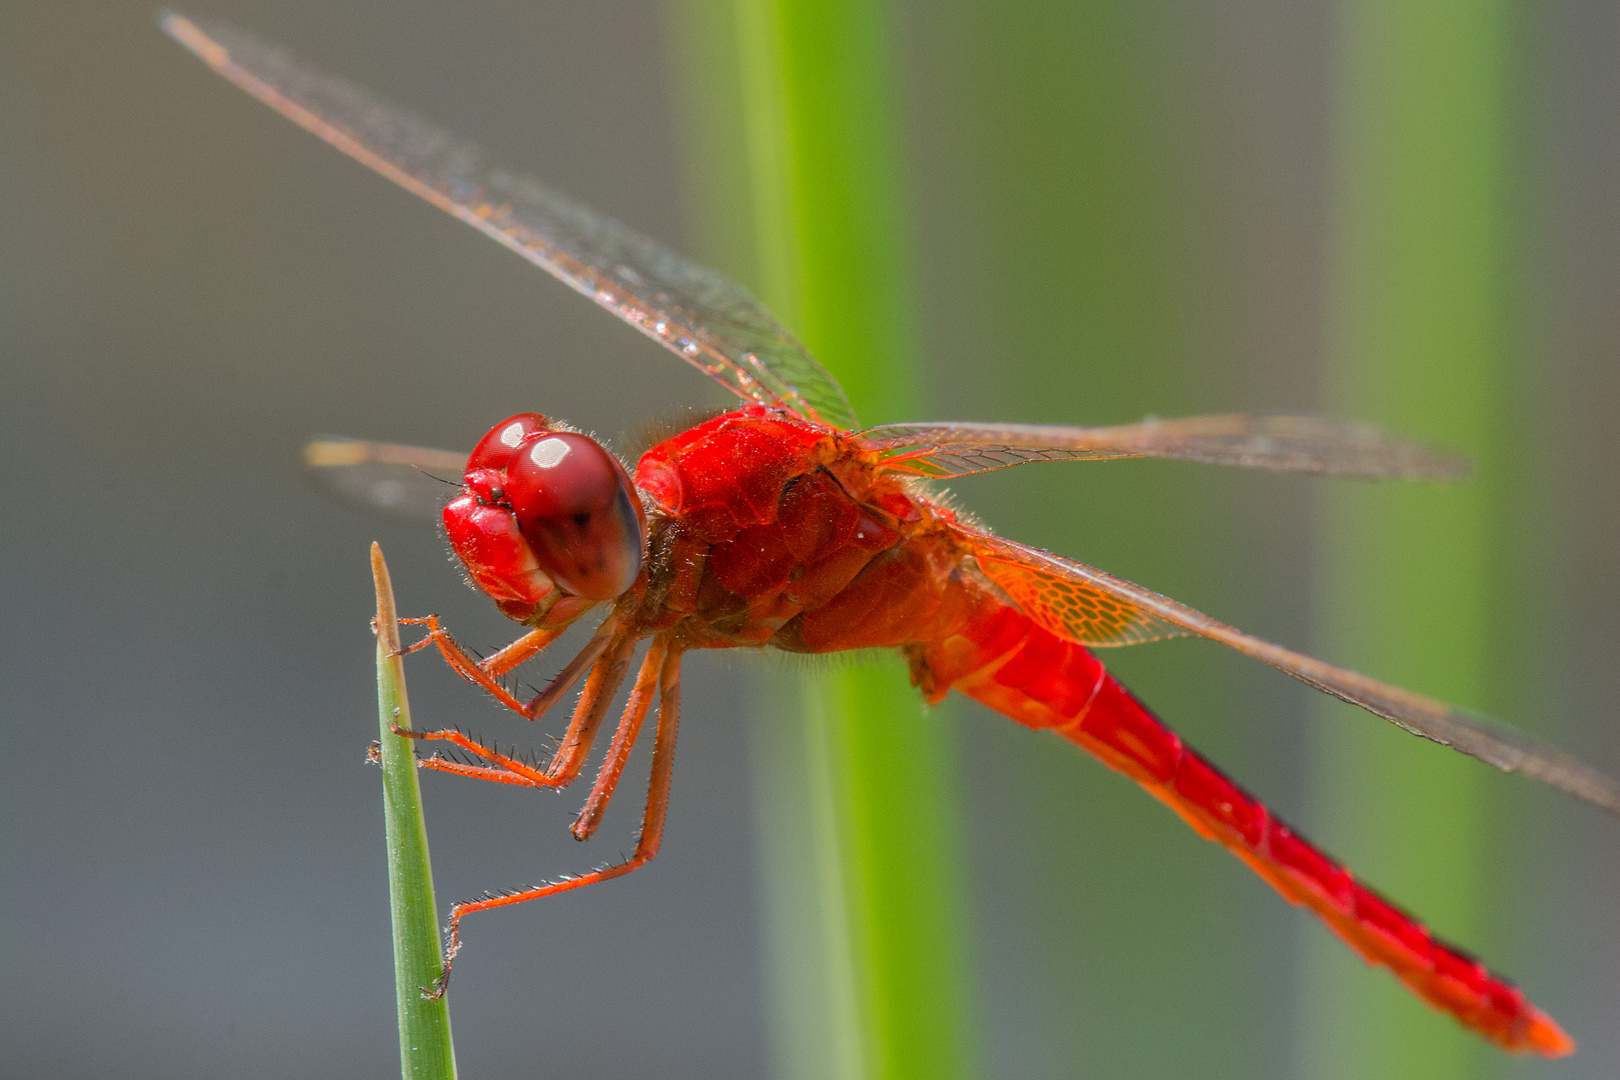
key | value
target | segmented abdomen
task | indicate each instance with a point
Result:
(997, 655)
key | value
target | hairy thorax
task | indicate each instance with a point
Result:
(767, 531)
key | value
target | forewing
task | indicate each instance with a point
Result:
(1287, 443)
(409, 481)
(696, 313)
(1058, 593)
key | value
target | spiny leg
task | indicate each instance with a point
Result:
(607, 673)
(624, 740)
(652, 820)
(484, 672)
(497, 663)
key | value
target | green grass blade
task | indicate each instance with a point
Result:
(425, 1049)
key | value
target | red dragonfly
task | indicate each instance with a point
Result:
(783, 523)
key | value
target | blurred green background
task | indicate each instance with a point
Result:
(1404, 212)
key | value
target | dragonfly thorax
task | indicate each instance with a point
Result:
(767, 532)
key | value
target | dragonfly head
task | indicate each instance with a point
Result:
(544, 508)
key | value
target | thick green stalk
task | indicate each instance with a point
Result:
(864, 914)
(1414, 577)
(425, 1049)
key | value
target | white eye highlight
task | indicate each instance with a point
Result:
(513, 434)
(548, 453)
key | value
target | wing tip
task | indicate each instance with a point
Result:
(324, 453)
(188, 34)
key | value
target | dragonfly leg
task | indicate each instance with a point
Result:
(608, 670)
(624, 740)
(485, 672)
(525, 647)
(498, 663)
(666, 662)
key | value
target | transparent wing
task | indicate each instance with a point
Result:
(696, 313)
(1290, 443)
(405, 480)
(1059, 594)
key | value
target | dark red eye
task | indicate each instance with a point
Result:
(578, 510)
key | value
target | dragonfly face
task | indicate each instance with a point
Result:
(542, 509)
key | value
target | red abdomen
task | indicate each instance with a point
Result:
(996, 654)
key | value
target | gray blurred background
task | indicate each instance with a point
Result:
(191, 286)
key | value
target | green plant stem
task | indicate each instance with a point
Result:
(425, 1048)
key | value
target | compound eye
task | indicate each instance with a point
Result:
(495, 450)
(578, 510)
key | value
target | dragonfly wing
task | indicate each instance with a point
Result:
(1288, 443)
(1068, 607)
(408, 481)
(1057, 593)
(695, 312)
